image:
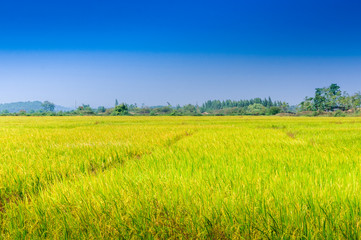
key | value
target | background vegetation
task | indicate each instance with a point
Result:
(328, 101)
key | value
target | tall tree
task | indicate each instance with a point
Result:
(333, 94)
(121, 109)
(320, 100)
(48, 106)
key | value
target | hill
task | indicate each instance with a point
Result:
(28, 107)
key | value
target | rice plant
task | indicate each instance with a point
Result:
(180, 177)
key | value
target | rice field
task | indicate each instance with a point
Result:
(180, 178)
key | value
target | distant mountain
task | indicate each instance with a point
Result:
(28, 107)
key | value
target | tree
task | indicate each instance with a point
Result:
(101, 109)
(85, 109)
(121, 109)
(284, 107)
(48, 106)
(307, 104)
(189, 109)
(273, 110)
(356, 100)
(116, 102)
(334, 89)
(133, 107)
(256, 109)
(332, 94)
(327, 98)
(345, 101)
(319, 100)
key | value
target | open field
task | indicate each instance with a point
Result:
(180, 177)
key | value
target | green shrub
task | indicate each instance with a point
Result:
(339, 113)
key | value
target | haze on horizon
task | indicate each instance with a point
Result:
(180, 52)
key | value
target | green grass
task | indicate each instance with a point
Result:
(180, 177)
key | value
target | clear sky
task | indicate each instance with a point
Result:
(154, 52)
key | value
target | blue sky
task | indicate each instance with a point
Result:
(154, 52)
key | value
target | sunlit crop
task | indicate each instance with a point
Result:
(180, 177)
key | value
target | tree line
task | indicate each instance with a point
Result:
(327, 100)
(217, 104)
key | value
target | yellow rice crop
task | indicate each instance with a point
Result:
(180, 177)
